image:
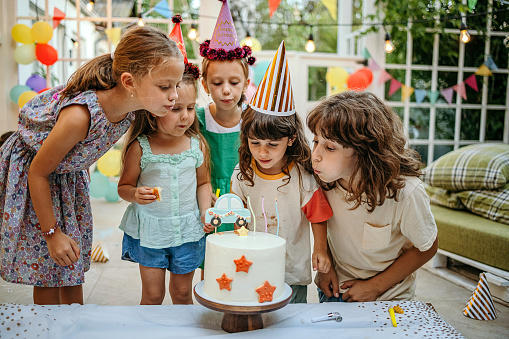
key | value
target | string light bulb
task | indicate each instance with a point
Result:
(310, 44)
(248, 42)
(192, 32)
(90, 5)
(140, 21)
(464, 35)
(388, 47)
(74, 42)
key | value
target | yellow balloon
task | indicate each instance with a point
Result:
(337, 76)
(22, 33)
(25, 54)
(25, 97)
(255, 44)
(42, 32)
(109, 163)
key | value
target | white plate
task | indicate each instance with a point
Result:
(199, 290)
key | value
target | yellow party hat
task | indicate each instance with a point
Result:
(480, 306)
(274, 93)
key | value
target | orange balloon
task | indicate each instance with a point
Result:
(46, 54)
(368, 73)
(357, 81)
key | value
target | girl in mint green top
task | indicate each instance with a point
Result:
(167, 153)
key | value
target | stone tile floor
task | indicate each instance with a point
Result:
(117, 282)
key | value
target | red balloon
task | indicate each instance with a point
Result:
(357, 81)
(42, 90)
(46, 54)
(368, 73)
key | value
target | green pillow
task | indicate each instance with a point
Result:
(473, 167)
(493, 205)
(443, 197)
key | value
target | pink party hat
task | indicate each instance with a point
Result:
(224, 44)
(176, 35)
(274, 94)
(480, 306)
(224, 36)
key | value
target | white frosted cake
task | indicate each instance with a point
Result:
(237, 266)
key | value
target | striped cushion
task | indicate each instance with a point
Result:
(473, 167)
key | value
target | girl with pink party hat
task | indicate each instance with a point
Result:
(275, 163)
(225, 71)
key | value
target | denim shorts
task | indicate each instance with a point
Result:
(178, 260)
(322, 298)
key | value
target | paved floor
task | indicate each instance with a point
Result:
(118, 283)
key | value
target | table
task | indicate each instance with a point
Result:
(360, 320)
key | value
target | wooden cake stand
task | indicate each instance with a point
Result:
(240, 317)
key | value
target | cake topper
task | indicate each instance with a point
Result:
(228, 208)
(224, 44)
(274, 94)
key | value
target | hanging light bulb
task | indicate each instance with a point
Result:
(248, 42)
(90, 5)
(192, 32)
(140, 21)
(464, 35)
(389, 47)
(74, 42)
(310, 44)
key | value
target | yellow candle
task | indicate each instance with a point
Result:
(393, 317)
(217, 192)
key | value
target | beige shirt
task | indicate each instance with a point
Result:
(364, 244)
(298, 203)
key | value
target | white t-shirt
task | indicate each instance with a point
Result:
(363, 244)
(297, 206)
(212, 125)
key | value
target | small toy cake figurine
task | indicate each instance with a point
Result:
(242, 266)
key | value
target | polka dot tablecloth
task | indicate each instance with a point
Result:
(360, 320)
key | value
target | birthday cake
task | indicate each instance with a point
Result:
(242, 266)
(249, 268)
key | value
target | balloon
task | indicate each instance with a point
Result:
(368, 73)
(16, 92)
(22, 33)
(112, 195)
(99, 185)
(357, 81)
(44, 89)
(25, 97)
(255, 44)
(42, 32)
(36, 82)
(109, 163)
(25, 54)
(259, 71)
(337, 76)
(46, 54)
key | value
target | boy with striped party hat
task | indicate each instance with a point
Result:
(274, 165)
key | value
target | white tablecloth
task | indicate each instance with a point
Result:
(360, 320)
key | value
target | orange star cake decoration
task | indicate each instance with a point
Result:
(224, 282)
(242, 232)
(266, 291)
(242, 264)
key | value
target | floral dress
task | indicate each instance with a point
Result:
(24, 256)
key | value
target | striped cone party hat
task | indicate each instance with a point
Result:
(274, 94)
(480, 305)
(99, 253)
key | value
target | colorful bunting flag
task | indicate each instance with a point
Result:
(460, 89)
(472, 82)
(471, 4)
(366, 54)
(373, 65)
(332, 7)
(384, 77)
(395, 85)
(447, 94)
(406, 92)
(113, 34)
(273, 5)
(58, 16)
(491, 64)
(163, 9)
(480, 306)
(420, 94)
(433, 96)
(483, 70)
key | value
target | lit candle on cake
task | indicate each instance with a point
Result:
(252, 214)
